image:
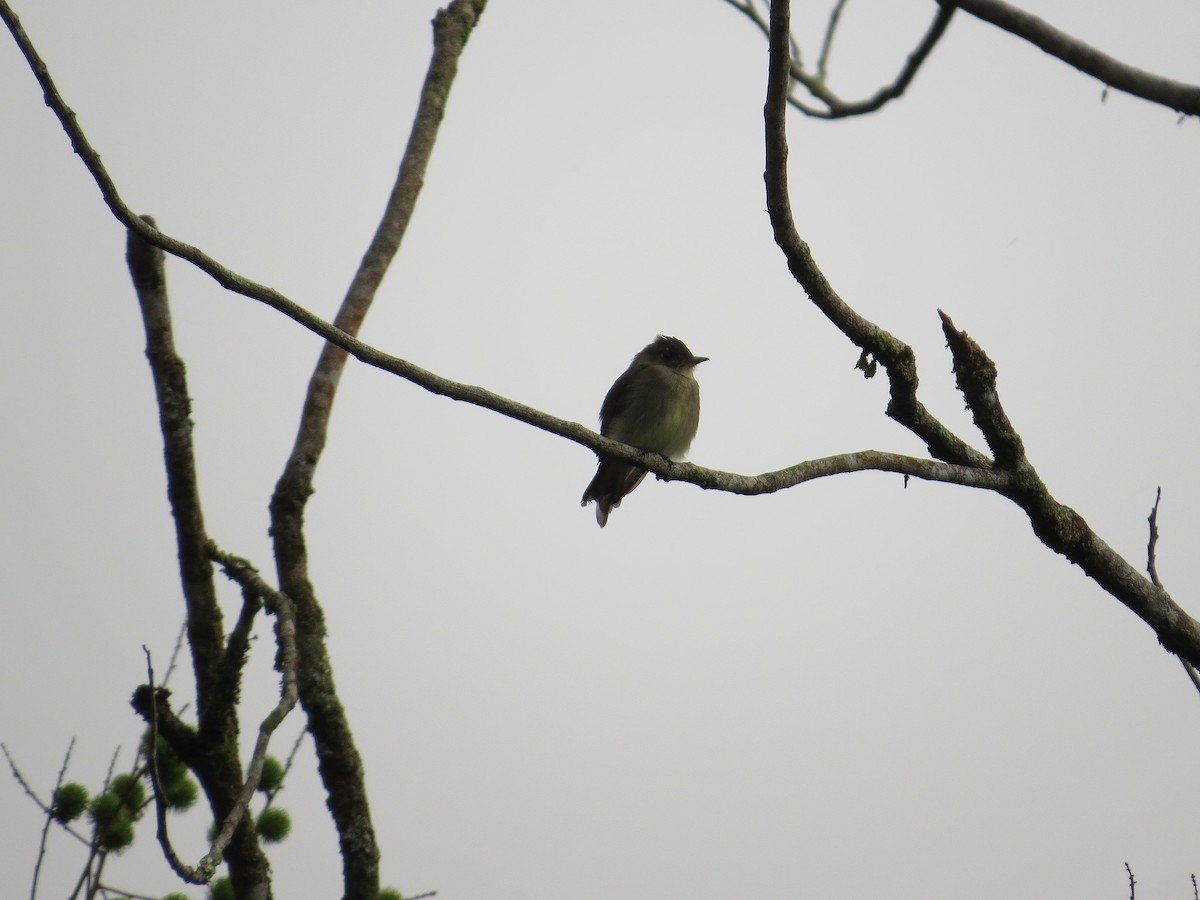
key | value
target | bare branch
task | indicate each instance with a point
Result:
(834, 106)
(1112, 72)
(280, 605)
(174, 409)
(184, 871)
(1152, 571)
(904, 406)
(175, 654)
(1152, 545)
(151, 701)
(211, 750)
(337, 756)
(1058, 526)
(287, 767)
(41, 854)
(896, 356)
(976, 376)
(122, 894)
(835, 16)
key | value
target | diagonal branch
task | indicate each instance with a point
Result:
(1058, 526)
(337, 756)
(961, 465)
(1112, 72)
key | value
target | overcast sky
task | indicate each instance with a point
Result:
(850, 689)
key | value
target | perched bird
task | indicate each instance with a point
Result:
(654, 405)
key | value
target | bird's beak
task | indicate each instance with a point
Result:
(696, 360)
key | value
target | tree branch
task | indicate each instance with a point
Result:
(1176, 95)
(964, 461)
(816, 84)
(1058, 526)
(338, 759)
(976, 377)
(58, 783)
(211, 751)
(896, 356)
(200, 874)
(903, 405)
(1152, 571)
(204, 623)
(280, 605)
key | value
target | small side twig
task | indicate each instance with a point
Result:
(42, 805)
(814, 82)
(122, 894)
(835, 17)
(287, 767)
(1152, 571)
(41, 854)
(188, 874)
(1132, 882)
(175, 654)
(1152, 546)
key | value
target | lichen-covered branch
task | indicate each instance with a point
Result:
(204, 622)
(337, 756)
(210, 749)
(286, 661)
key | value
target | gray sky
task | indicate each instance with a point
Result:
(849, 689)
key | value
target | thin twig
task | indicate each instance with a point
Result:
(46, 808)
(814, 83)
(41, 854)
(835, 16)
(287, 767)
(1132, 882)
(187, 873)
(1152, 545)
(175, 654)
(123, 894)
(1152, 570)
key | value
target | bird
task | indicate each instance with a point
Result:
(654, 405)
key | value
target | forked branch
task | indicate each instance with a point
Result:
(1058, 526)
(816, 82)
